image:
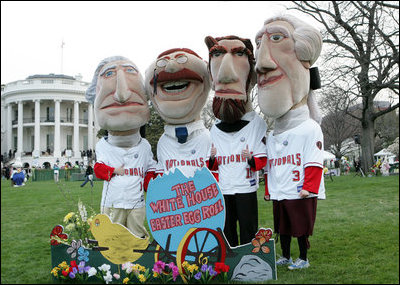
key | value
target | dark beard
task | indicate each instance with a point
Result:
(228, 110)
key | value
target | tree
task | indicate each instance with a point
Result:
(337, 126)
(154, 130)
(361, 56)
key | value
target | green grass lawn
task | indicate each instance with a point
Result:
(356, 234)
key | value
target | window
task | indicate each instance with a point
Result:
(85, 142)
(49, 142)
(69, 114)
(32, 142)
(47, 81)
(50, 114)
(69, 141)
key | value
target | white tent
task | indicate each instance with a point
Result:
(328, 155)
(384, 154)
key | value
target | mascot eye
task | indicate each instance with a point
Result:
(162, 62)
(216, 54)
(240, 53)
(182, 59)
(97, 222)
(109, 73)
(130, 70)
(276, 37)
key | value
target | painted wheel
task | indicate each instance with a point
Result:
(200, 246)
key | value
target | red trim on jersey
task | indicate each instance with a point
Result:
(312, 179)
(213, 168)
(266, 184)
(260, 162)
(103, 171)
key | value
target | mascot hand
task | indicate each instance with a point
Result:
(304, 193)
(213, 151)
(119, 170)
(246, 153)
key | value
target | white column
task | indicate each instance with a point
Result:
(90, 126)
(9, 128)
(76, 130)
(37, 127)
(20, 136)
(57, 133)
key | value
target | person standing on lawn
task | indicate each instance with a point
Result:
(88, 175)
(286, 49)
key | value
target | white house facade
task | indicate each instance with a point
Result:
(46, 118)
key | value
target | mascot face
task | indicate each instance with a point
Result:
(120, 103)
(283, 80)
(179, 85)
(229, 69)
(231, 64)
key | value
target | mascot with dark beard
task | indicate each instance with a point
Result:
(238, 149)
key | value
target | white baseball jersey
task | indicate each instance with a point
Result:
(235, 174)
(125, 191)
(289, 153)
(188, 156)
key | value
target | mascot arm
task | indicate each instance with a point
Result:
(312, 179)
(257, 163)
(103, 171)
(212, 164)
(266, 184)
(149, 175)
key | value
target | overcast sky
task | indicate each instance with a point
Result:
(32, 32)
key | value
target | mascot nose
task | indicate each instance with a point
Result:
(227, 73)
(122, 92)
(264, 61)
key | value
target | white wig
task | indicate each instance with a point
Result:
(91, 91)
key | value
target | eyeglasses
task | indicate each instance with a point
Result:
(164, 61)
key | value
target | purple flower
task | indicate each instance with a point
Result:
(72, 274)
(212, 271)
(197, 276)
(81, 267)
(204, 268)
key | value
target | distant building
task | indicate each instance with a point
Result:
(46, 118)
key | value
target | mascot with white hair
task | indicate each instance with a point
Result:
(286, 49)
(124, 159)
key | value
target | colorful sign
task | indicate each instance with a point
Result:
(176, 204)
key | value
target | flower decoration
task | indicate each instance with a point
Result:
(73, 249)
(57, 235)
(83, 255)
(262, 236)
(72, 271)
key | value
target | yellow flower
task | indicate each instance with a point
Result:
(155, 274)
(142, 278)
(63, 265)
(68, 217)
(192, 268)
(185, 264)
(54, 271)
(126, 280)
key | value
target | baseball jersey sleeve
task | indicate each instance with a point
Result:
(314, 149)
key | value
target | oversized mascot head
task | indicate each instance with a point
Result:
(231, 63)
(286, 49)
(118, 94)
(178, 85)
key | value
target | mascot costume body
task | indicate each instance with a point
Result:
(124, 159)
(238, 136)
(178, 85)
(286, 49)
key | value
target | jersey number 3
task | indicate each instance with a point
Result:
(296, 175)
